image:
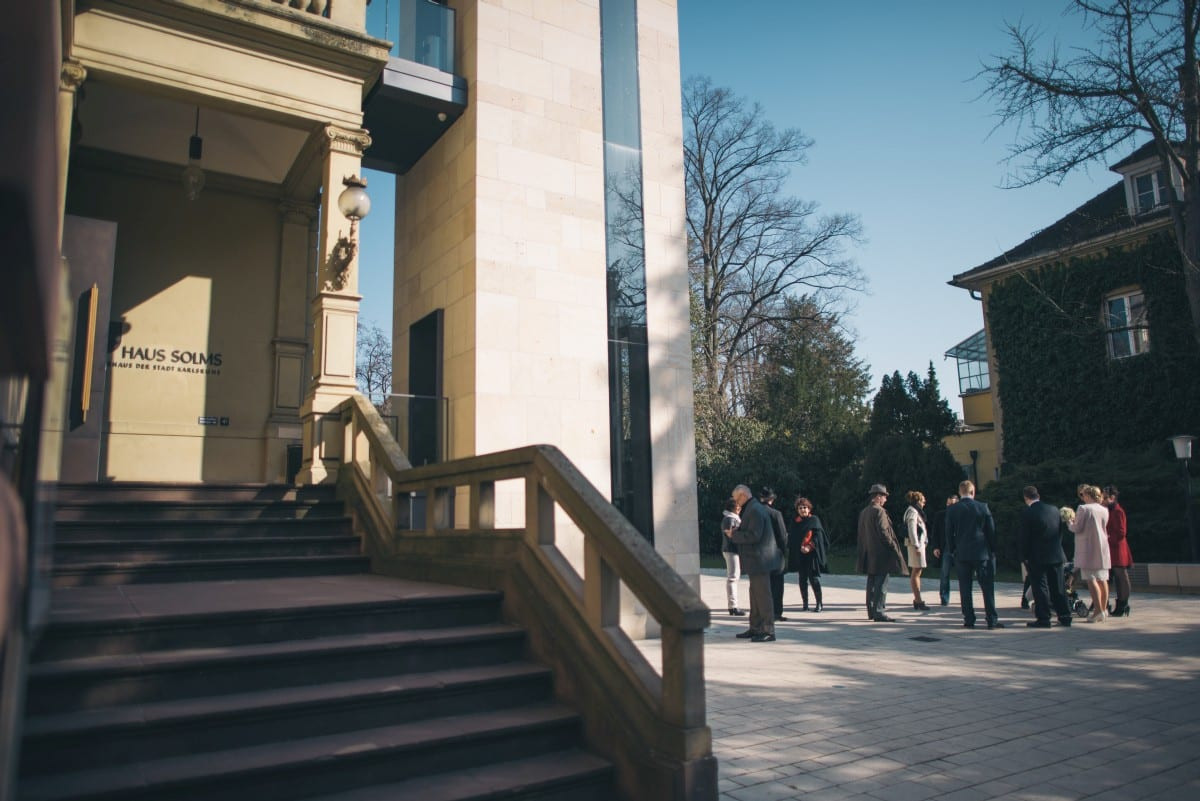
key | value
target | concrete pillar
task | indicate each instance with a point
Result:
(334, 310)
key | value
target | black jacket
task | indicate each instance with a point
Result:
(1041, 537)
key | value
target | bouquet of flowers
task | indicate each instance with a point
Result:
(1067, 514)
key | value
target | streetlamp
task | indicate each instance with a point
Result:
(354, 204)
(1183, 451)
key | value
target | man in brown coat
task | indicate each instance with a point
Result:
(878, 552)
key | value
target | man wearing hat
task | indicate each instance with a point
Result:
(878, 552)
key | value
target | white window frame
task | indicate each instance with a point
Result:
(1130, 336)
(1158, 188)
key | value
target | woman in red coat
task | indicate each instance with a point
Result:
(1118, 547)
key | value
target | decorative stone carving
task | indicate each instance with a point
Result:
(342, 140)
(72, 76)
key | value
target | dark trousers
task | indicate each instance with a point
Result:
(876, 594)
(777, 592)
(944, 581)
(810, 574)
(985, 571)
(762, 608)
(1046, 582)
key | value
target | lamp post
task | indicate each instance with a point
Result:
(1183, 451)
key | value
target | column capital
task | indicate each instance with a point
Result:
(72, 75)
(298, 212)
(345, 140)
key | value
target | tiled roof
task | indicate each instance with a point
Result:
(1106, 213)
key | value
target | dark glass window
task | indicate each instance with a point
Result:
(628, 360)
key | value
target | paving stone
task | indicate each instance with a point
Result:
(840, 709)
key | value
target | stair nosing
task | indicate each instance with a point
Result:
(178, 712)
(192, 564)
(133, 621)
(194, 658)
(247, 762)
(593, 767)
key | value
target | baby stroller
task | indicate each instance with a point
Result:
(1076, 604)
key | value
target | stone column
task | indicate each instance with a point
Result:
(70, 79)
(334, 311)
(290, 342)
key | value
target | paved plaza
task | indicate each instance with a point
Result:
(839, 708)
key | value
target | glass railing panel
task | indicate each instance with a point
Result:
(420, 30)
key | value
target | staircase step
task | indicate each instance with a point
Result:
(78, 635)
(115, 509)
(558, 776)
(111, 573)
(106, 681)
(161, 550)
(138, 491)
(174, 728)
(91, 530)
(332, 763)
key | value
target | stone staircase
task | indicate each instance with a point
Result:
(227, 642)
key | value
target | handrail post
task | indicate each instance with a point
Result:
(601, 588)
(483, 505)
(539, 511)
(440, 499)
(682, 703)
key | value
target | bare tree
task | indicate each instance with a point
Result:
(751, 247)
(1138, 80)
(374, 363)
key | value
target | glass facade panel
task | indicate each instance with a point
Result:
(628, 358)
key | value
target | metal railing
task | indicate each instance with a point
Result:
(653, 726)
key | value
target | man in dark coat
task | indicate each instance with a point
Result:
(1042, 553)
(937, 539)
(971, 540)
(755, 538)
(878, 552)
(766, 496)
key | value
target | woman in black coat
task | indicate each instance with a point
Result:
(807, 549)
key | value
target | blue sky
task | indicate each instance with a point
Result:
(885, 89)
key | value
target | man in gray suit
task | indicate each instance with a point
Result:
(755, 538)
(971, 542)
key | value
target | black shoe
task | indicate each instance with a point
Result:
(965, 626)
(733, 610)
(820, 606)
(946, 603)
(920, 606)
(747, 634)
(996, 625)
(763, 638)
(781, 618)
(805, 609)
(1066, 622)
(1038, 624)
(883, 619)
(1024, 603)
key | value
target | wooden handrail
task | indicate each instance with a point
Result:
(669, 710)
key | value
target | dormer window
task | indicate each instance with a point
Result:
(1150, 191)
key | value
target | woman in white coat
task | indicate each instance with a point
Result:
(1092, 558)
(917, 539)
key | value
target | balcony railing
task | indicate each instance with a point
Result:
(420, 30)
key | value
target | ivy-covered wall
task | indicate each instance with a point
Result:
(1061, 394)
(1073, 415)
